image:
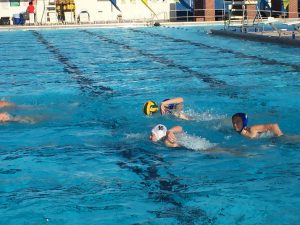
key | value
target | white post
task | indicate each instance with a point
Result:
(41, 11)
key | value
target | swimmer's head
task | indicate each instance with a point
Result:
(158, 132)
(239, 121)
(150, 107)
(5, 117)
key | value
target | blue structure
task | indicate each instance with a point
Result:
(114, 3)
(184, 10)
(264, 5)
(185, 5)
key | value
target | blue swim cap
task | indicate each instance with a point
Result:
(170, 106)
(244, 118)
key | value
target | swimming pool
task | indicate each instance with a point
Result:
(89, 161)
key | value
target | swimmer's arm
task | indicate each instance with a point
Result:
(182, 116)
(173, 101)
(170, 137)
(256, 129)
(5, 104)
(23, 119)
(176, 129)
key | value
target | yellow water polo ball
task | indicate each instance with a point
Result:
(150, 107)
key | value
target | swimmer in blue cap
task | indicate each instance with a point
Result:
(240, 122)
(172, 106)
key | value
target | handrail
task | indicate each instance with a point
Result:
(211, 14)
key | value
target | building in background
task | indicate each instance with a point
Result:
(106, 11)
(92, 11)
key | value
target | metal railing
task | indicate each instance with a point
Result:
(196, 15)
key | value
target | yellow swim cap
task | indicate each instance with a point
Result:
(150, 107)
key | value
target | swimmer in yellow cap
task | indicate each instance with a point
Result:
(172, 106)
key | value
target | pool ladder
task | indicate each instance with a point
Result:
(236, 14)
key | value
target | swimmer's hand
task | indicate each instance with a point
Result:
(182, 116)
(171, 141)
(171, 137)
(163, 107)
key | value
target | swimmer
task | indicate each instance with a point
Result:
(172, 106)
(4, 104)
(160, 132)
(5, 117)
(176, 137)
(240, 122)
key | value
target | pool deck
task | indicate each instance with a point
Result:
(285, 38)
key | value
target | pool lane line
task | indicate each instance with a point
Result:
(146, 164)
(168, 187)
(206, 78)
(215, 83)
(150, 174)
(86, 84)
(262, 60)
(185, 29)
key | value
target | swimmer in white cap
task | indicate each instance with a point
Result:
(160, 132)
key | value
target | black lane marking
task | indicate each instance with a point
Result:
(212, 82)
(265, 61)
(160, 189)
(146, 165)
(86, 84)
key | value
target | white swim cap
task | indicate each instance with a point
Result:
(159, 131)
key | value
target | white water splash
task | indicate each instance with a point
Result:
(135, 136)
(204, 116)
(194, 142)
(267, 134)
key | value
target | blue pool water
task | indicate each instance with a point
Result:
(88, 159)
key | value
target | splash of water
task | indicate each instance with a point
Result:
(135, 136)
(267, 134)
(194, 142)
(204, 116)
